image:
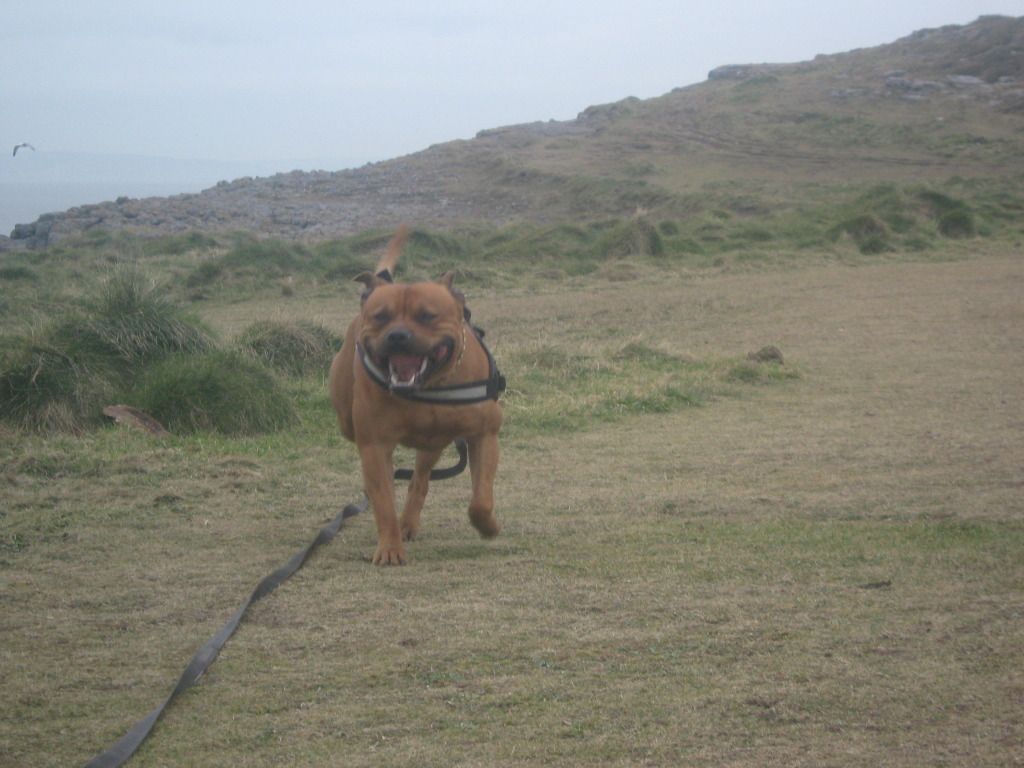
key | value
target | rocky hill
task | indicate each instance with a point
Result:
(939, 103)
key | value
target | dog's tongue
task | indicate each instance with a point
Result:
(405, 368)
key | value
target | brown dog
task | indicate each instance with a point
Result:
(413, 372)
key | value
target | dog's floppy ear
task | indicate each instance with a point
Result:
(370, 281)
(446, 280)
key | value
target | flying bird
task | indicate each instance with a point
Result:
(24, 144)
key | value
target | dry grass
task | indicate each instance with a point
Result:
(825, 571)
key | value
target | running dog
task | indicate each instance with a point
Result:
(413, 371)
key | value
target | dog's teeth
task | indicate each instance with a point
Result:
(423, 368)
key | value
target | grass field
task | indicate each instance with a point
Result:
(703, 562)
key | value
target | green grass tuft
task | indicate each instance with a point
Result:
(341, 262)
(218, 391)
(749, 372)
(867, 231)
(133, 323)
(59, 379)
(276, 256)
(44, 389)
(17, 272)
(295, 348)
(957, 223)
(636, 237)
(175, 245)
(252, 261)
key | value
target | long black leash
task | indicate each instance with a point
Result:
(119, 753)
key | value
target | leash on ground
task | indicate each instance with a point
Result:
(119, 753)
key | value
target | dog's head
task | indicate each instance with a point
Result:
(410, 331)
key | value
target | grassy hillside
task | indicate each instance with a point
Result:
(729, 226)
(938, 107)
(910, 110)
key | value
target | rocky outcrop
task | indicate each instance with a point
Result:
(317, 204)
(460, 182)
(744, 71)
(33, 235)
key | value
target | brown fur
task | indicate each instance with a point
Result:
(377, 421)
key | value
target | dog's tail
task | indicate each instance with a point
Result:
(386, 265)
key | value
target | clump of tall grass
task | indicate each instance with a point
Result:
(295, 348)
(953, 217)
(222, 391)
(887, 217)
(636, 237)
(175, 245)
(60, 377)
(866, 230)
(956, 223)
(253, 261)
(341, 263)
(128, 324)
(43, 388)
(17, 272)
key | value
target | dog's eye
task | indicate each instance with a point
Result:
(382, 317)
(425, 317)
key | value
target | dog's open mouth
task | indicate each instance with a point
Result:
(408, 371)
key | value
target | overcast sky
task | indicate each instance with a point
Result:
(332, 83)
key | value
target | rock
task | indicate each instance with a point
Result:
(36, 234)
(731, 72)
(748, 71)
(965, 81)
(126, 414)
(909, 85)
(767, 354)
(23, 231)
(842, 94)
(877, 584)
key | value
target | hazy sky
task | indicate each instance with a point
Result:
(332, 83)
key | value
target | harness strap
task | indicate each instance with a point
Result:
(457, 394)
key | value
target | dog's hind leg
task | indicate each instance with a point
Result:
(410, 522)
(483, 465)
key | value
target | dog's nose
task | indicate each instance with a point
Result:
(398, 336)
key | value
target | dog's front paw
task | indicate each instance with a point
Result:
(410, 528)
(389, 554)
(485, 522)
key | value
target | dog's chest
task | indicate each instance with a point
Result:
(428, 427)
